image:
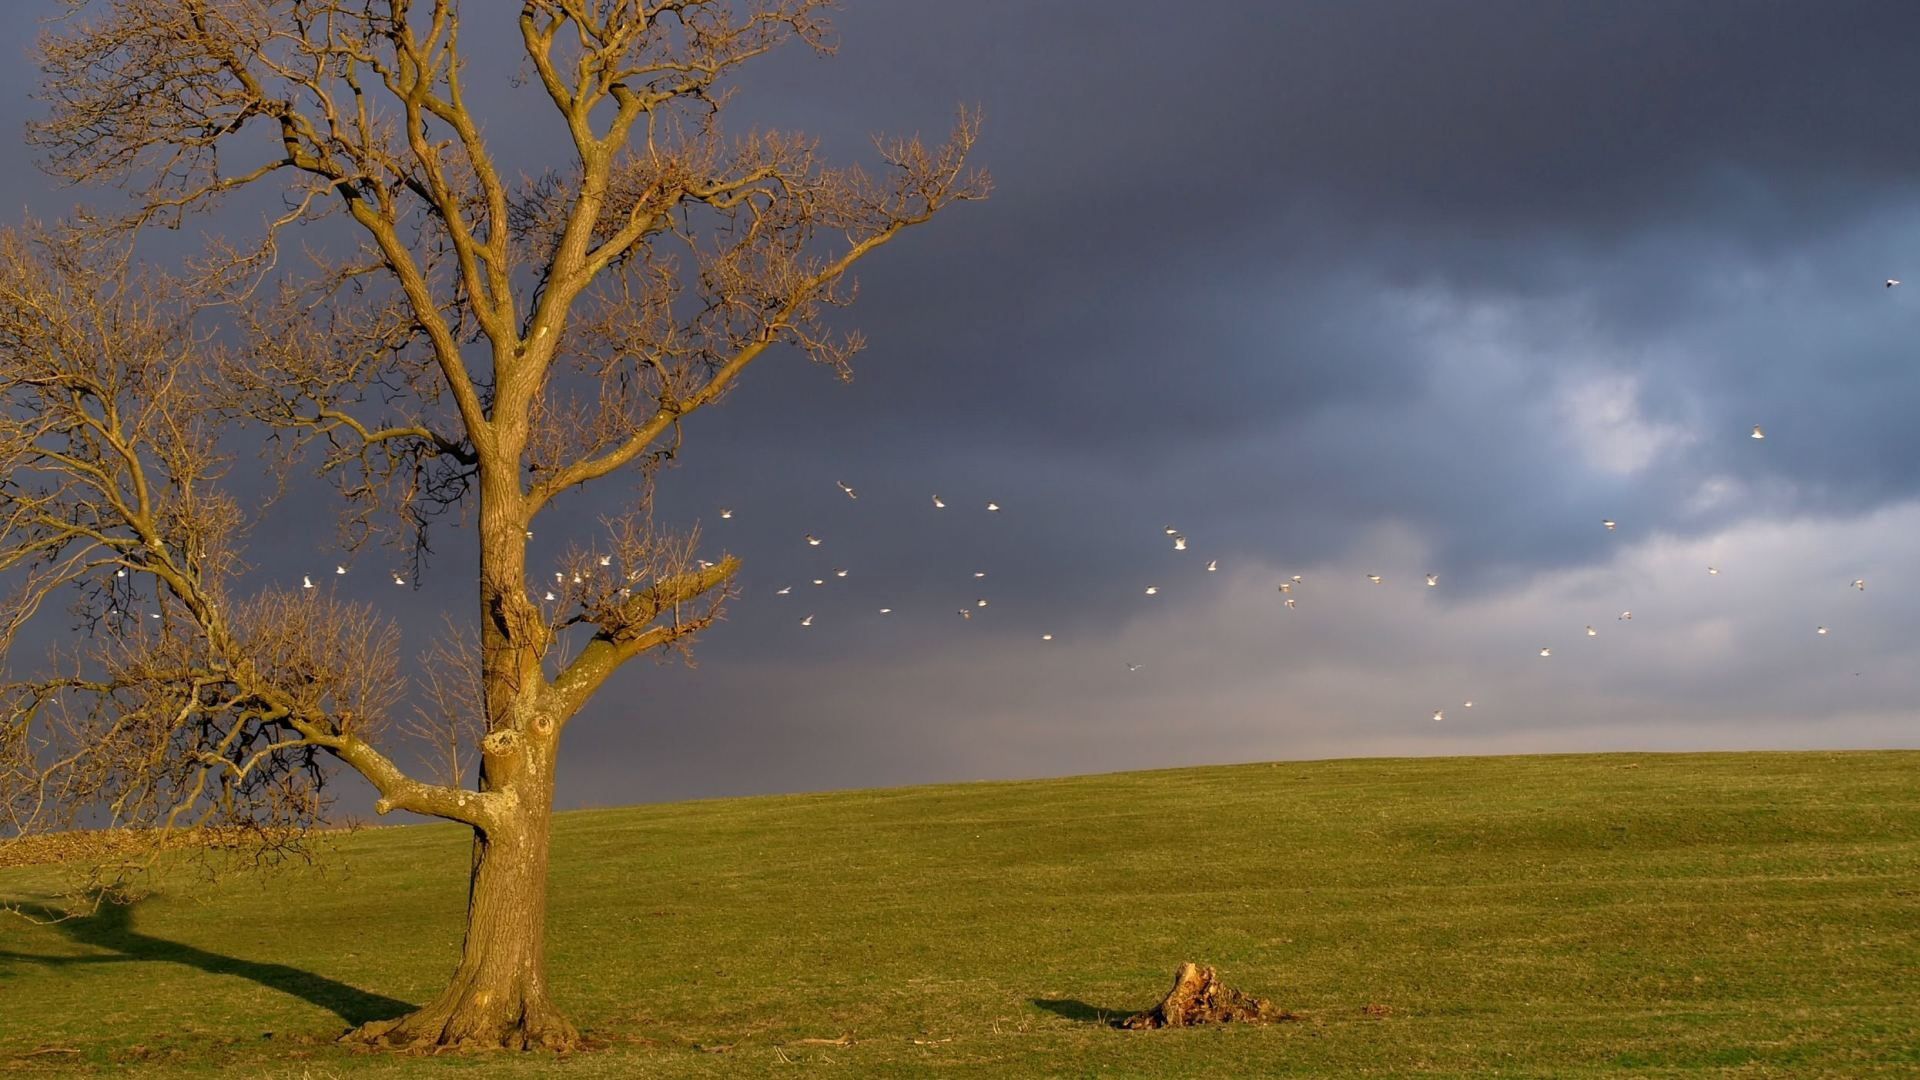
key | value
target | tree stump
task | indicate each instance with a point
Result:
(1198, 997)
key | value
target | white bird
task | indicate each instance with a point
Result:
(1546, 652)
(606, 560)
(1892, 281)
(1609, 523)
(1625, 616)
(1046, 637)
(979, 573)
(1591, 632)
(306, 582)
(398, 580)
(839, 573)
(1757, 433)
(726, 513)
(842, 485)
(558, 576)
(1819, 629)
(1433, 579)
(1153, 590)
(783, 590)
(1439, 715)
(965, 614)
(1295, 579)
(549, 595)
(1860, 583)
(1714, 571)
(812, 540)
(120, 573)
(1135, 667)
(939, 503)
(339, 569)
(1171, 531)
(1375, 578)
(529, 534)
(704, 564)
(1179, 543)
(995, 507)
(819, 581)
(1212, 565)
(1289, 603)
(808, 621)
(1286, 586)
(153, 615)
(576, 577)
(886, 611)
(1467, 705)
(980, 603)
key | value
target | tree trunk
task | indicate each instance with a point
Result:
(499, 995)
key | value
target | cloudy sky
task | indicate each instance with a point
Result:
(1336, 289)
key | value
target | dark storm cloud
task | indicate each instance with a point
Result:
(1293, 277)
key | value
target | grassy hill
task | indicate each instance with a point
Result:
(1644, 915)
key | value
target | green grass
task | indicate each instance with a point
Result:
(1639, 915)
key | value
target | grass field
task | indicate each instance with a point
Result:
(1638, 915)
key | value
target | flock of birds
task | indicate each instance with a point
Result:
(1174, 536)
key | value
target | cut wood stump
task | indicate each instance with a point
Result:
(1198, 997)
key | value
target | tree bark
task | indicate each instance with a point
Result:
(499, 996)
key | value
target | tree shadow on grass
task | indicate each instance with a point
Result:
(110, 928)
(1081, 1012)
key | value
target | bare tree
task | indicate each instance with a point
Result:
(463, 343)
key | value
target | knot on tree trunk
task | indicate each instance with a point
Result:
(1198, 997)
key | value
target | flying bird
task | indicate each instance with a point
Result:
(398, 580)
(839, 573)
(1171, 531)
(1375, 578)
(1609, 523)
(1892, 281)
(1135, 667)
(1714, 571)
(726, 513)
(842, 485)
(1860, 583)
(606, 560)
(339, 569)
(980, 603)
(1433, 579)
(783, 590)
(819, 581)
(120, 572)
(812, 540)
(1546, 651)
(306, 582)
(549, 595)
(886, 611)
(1286, 586)
(1439, 715)
(1591, 632)
(1153, 590)
(1212, 565)
(704, 564)
(1046, 637)
(939, 503)
(1467, 705)
(1179, 543)
(1757, 433)
(1289, 603)
(808, 621)
(965, 614)
(994, 506)
(1295, 579)
(1820, 630)
(1625, 616)
(979, 573)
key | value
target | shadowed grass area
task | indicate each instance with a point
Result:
(1644, 915)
